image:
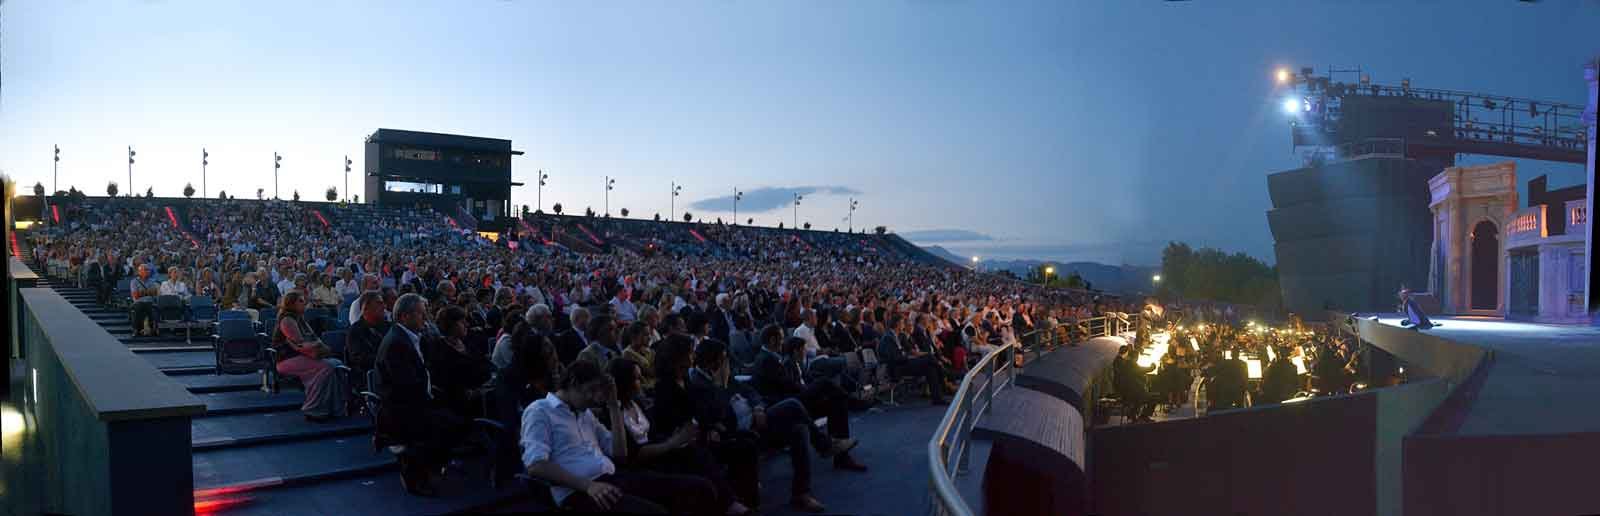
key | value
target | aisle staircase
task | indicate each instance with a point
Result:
(250, 441)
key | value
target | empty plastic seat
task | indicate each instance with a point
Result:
(202, 308)
(239, 348)
(169, 309)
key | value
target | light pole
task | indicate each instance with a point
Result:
(55, 172)
(540, 195)
(609, 183)
(204, 160)
(1048, 271)
(736, 196)
(974, 264)
(672, 206)
(130, 170)
(277, 163)
(797, 198)
(852, 216)
(347, 164)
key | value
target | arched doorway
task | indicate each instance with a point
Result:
(1485, 266)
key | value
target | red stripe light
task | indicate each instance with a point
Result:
(218, 505)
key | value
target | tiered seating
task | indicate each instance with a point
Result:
(254, 423)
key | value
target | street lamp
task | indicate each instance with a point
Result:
(540, 198)
(1048, 271)
(736, 196)
(609, 183)
(130, 170)
(347, 164)
(55, 173)
(797, 198)
(852, 216)
(277, 163)
(672, 206)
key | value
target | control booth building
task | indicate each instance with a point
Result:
(452, 174)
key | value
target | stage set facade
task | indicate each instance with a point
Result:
(1381, 203)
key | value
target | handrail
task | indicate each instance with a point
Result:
(947, 455)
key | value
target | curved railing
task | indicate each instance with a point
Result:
(947, 450)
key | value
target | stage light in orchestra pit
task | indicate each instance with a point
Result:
(1291, 105)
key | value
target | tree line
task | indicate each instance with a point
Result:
(1212, 274)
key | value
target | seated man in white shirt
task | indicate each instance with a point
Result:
(174, 285)
(565, 445)
(623, 307)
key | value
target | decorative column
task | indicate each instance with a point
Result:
(1590, 76)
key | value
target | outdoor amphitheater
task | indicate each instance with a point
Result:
(916, 258)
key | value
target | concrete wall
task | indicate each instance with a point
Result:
(1440, 357)
(109, 434)
(1311, 458)
(1455, 475)
(1401, 410)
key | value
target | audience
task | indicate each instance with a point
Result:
(644, 325)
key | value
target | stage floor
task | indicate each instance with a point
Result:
(1545, 378)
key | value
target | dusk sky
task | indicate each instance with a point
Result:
(1063, 130)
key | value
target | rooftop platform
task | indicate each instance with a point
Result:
(1540, 377)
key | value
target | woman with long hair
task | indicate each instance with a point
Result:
(681, 452)
(456, 370)
(230, 292)
(302, 355)
(636, 347)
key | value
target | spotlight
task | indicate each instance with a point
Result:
(1283, 76)
(1291, 105)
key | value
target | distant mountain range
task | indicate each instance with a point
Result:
(1109, 278)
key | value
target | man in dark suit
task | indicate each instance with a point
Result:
(366, 336)
(410, 413)
(1228, 379)
(721, 317)
(1130, 381)
(1281, 379)
(571, 342)
(903, 359)
(786, 423)
(779, 375)
(100, 279)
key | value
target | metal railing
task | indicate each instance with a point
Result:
(948, 449)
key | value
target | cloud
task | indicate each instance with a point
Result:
(944, 235)
(769, 198)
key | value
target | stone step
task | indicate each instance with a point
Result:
(246, 402)
(288, 463)
(208, 383)
(252, 429)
